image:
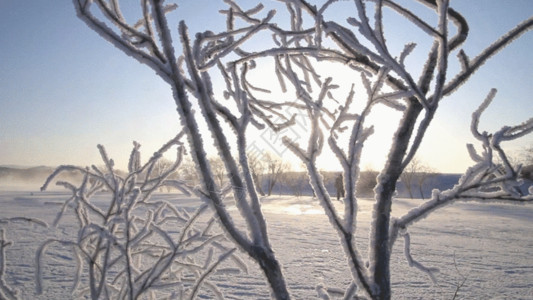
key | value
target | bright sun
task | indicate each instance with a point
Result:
(382, 118)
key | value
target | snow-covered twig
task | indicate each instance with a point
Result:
(128, 252)
(414, 263)
(6, 292)
(208, 271)
(485, 181)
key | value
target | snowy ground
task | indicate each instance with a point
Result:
(489, 247)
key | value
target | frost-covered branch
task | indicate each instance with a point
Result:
(297, 53)
(344, 226)
(414, 263)
(471, 66)
(365, 29)
(130, 40)
(198, 57)
(136, 245)
(487, 180)
(6, 292)
(208, 271)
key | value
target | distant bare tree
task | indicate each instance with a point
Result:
(424, 178)
(275, 168)
(218, 169)
(257, 167)
(408, 176)
(187, 172)
(161, 166)
(416, 173)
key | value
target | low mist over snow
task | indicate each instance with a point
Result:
(29, 178)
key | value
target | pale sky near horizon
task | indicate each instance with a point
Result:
(64, 89)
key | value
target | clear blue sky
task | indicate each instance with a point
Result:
(64, 89)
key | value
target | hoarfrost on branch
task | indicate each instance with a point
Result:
(298, 55)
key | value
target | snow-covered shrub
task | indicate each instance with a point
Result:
(129, 246)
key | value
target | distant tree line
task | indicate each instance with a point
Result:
(274, 175)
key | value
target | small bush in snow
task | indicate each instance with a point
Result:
(130, 247)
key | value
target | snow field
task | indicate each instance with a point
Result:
(486, 249)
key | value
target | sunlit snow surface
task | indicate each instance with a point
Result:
(489, 247)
